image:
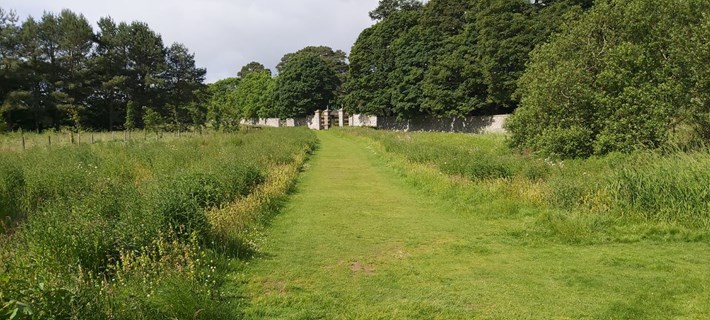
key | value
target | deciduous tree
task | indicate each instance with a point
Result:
(305, 84)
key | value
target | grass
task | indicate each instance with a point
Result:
(13, 141)
(136, 230)
(611, 198)
(372, 234)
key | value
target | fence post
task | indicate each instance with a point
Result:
(49, 140)
(317, 119)
(22, 135)
(341, 117)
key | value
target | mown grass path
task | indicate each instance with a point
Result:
(358, 242)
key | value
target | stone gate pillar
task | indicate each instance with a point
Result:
(341, 118)
(315, 122)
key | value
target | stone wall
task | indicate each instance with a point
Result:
(482, 124)
(361, 120)
(276, 122)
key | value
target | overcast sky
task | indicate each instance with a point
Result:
(227, 34)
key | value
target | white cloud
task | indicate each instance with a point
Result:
(224, 34)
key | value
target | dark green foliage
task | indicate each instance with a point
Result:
(152, 120)
(388, 7)
(58, 72)
(253, 96)
(222, 110)
(372, 62)
(448, 58)
(336, 61)
(307, 83)
(252, 67)
(624, 77)
(183, 81)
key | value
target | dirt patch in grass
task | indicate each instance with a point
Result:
(272, 287)
(359, 267)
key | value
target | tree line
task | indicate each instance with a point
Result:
(581, 77)
(309, 79)
(443, 58)
(57, 72)
(449, 58)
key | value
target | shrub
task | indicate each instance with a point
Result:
(619, 79)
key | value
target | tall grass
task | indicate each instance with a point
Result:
(619, 196)
(116, 230)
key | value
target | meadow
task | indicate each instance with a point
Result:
(137, 229)
(662, 194)
(380, 225)
(391, 225)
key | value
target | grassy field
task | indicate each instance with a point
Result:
(619, 197)
(15, 141)
(137, 230)
(383, 227)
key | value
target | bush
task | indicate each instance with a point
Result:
(619, 79)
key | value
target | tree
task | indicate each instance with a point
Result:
(307, 83)
(372, 61)
(145, 66)
(619, 79)
(152, 120)
(450, 58)
(9, 66)
(421, 48)
(55, 71)
(453, 86)
(254, 93)
(335, 59)
(695, 60)
(130, 122)
(109, 81)
(74, 45)
(183, 80)
(222, 111)
(503, 44)
(252, 67)
(386, 8)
